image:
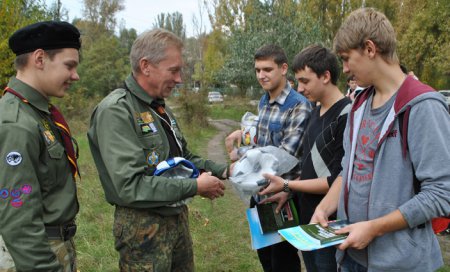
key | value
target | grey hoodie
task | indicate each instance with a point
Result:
(415, 248)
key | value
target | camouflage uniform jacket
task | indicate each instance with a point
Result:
(36, 183)
(127, 141)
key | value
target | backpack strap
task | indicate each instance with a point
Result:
(403, 119)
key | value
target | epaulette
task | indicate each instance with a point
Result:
(113, 97)
(10, 111)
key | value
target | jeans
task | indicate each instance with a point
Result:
(322, 260)
(350, 265)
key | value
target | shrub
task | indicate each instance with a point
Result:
(193, 108)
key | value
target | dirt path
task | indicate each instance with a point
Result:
(216, 152)
(216, 148)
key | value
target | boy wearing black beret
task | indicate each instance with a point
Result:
(38, 165)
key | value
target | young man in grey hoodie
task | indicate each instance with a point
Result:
(390, 226)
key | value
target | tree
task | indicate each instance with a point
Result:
(424, 40)
(126, 38)
(331, 13)
(227, 16)
(104, 56)
(14, 15)
(214, 57)
(254, 24)
(172, 22)
(58, 12)
(104, 66)
(99, 17)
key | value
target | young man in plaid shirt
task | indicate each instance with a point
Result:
(282, 118)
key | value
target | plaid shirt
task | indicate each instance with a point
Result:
(283, 129)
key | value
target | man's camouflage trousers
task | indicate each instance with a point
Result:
(149, 242)
(64, 251)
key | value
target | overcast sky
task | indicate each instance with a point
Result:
(141, 14)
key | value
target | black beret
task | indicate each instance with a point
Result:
(45, 35)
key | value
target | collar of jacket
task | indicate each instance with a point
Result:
(409, 89)
(34, 97)
(140, 93)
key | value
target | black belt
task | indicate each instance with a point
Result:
(63, 232)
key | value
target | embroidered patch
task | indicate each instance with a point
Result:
(147, 117)
(13, 158)
(145, 128)
(26, 189)
(46, 124)
(16, 202)
(4, 193)
(153, 158)
(48, 136)
(14, 195)
(153, 127)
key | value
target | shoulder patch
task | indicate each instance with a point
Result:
(9, 111)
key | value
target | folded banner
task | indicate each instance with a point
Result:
(177, 168)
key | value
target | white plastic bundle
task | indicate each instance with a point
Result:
(247, 177)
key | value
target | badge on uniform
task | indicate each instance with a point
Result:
(46, 124)
(153, 158)
(145, 128)
(153, 127)
(4, 193)
(16, 201)
(145, 121)
(48, 136)
(47, 132)
(147, 117)
(13, 158)
(14, 195)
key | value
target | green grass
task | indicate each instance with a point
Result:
(197, 138)
(94, 240)
(233, 108)
(220, 235)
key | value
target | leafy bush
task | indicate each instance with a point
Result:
(77, 108)
(193, 108)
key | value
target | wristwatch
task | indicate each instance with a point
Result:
(286, 186)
